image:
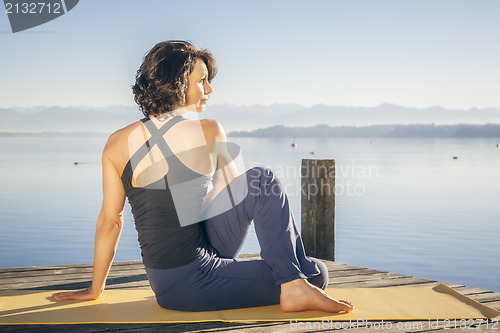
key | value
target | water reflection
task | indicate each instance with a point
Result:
(418, 211)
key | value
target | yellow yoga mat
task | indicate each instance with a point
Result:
(139, 306)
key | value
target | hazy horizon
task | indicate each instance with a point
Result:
(57, 119)
(36, 107)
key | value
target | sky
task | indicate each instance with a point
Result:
(414, 53)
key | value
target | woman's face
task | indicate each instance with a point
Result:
(198, 87)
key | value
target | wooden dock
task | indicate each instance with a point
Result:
(131, 274)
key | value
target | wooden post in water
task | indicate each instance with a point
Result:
(318, 208)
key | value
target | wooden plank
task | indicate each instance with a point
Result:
(495, 304)
(340, 266)
(66, 270)
(378, 283)
(367, 277)
(354, 272)
(484, 297)
(69, 274)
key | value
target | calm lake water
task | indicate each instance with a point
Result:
(402, 205)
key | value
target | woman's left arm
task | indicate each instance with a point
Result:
(225, 168)
(108, 229)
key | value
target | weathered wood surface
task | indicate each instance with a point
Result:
(318, 207)
(132, 275)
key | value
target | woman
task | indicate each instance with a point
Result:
(190, 239)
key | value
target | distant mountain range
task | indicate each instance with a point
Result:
(245, 118)
(67, 119)
(387, 131)
(241, 118)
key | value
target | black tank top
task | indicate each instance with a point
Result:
(167, 211)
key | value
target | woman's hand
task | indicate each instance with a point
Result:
(80, 295)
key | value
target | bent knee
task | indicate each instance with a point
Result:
(261, 170)
(263, 174)
(321, 280)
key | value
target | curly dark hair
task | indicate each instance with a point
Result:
(162, 80)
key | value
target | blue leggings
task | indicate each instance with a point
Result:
(218, 280)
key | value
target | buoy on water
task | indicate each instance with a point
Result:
(294, 145)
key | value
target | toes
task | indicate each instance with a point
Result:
(345, 302)
(346, 307)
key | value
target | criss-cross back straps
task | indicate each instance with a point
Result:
(155, 139)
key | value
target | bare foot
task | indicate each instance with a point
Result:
(300, 295)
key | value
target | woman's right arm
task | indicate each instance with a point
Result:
(108, 229)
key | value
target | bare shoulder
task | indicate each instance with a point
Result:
(213, 130)
(116, 149)
(117, 139)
